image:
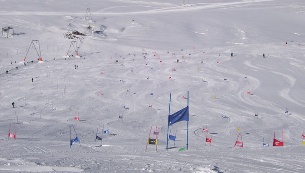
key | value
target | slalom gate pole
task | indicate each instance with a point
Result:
(283, 136)
(96, 134)
(175, 139)
(206, 136)
(236, 140)
(187, 123)
(148, 138)
(9, 131)
(156, 139)
(70, 136)
(169, 109)
(103, 129)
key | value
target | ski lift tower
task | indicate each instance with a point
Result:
(88, 14)
(7, 32)
(36, 45)
(73, 50)
(185, 2)
(88, 19)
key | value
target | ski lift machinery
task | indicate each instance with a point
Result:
(36, 45)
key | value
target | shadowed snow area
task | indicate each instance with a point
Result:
(79, 68)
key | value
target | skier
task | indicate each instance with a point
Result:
(13, 104)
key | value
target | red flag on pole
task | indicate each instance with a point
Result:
(303, 138)
(205, 130)
(278, 143)
(238, 142)
(208, 140)
(12, 135)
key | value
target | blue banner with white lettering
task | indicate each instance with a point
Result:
(182, 115)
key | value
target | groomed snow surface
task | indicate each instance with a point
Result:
(132, 55)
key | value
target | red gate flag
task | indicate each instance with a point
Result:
(209, 140)
(205, 130)
(12, 135)
(303, 138)
(239, 143)
(278, 143)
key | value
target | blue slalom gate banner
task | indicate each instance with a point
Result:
(172, 137)
(98, 138)
(74, 140)
(181, 115)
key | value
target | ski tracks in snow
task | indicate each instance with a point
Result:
(285, 91)
(36, 149)
(173, 8)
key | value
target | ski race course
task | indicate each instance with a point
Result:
(88, 86)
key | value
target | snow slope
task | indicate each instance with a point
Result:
(143, 51)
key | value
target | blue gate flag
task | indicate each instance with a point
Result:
(171, 137)
(105, 131)
(182, 115)
(73, 141)
(98, 138)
